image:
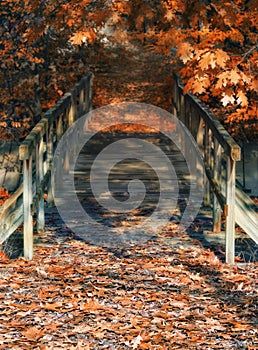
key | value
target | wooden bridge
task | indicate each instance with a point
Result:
(219, 152)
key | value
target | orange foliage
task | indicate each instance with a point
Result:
(3, 195)
(46, 48)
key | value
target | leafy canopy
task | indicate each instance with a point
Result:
(46, 46)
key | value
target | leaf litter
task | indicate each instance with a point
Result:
(168, 293)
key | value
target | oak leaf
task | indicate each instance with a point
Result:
(234, 76)
(242, 99)
(227, 99)
(33, 333)
(185, 52)
(136, 342)
(222, 80)
(207, 59)
(221, 58)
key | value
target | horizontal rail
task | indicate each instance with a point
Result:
(229, 145)
(11, 214)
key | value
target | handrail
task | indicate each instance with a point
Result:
(217, 148)
(36, 152)
(229, 145)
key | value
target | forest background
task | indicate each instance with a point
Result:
(46, 46)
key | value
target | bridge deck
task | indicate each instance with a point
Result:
(120, 176)
(119, 228)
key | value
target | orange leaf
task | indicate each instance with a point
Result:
(221, 58)
(227, 99)
(185, 52)
(208, 59)
(234, 76)
(242, 99)
(33, 333)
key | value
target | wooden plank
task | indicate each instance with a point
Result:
(10, 221)
(50, 152)
(247, 214)
(39, 178)
(230, 211)
(216, 188)
(216, 206)
(11, 200)
(29, 144)
(207, 144)
(11, 214)
(27, 201)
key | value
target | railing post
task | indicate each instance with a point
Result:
(27, 201)
(182, 109)
(81, 101)
(200, 134)
(50, 148)
(230, 210)
(199, 141)
(71, 115)
(39, 178)
(90, 93)
(174, 98)
(59, 128)
(206, 199)
(88, 97)
(216, 205)
(182, 117)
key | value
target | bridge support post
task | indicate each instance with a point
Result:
(39, 178)
(71, 113)
(207, 161)
(182, 117)
(27, 201)
(230, 211)
(174, 99)
(216, 205)
(49, 136)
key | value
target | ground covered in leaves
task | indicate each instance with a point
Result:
(169, 293)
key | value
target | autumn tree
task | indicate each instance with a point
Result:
(213, 45)
(45, 47)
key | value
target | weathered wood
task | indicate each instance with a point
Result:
(247, 214)
(40, 192)
(207, 199)
(28, 198)
(230, 211)
(49, 151)
(213, 142)
(27, 201)
(11, 214)
(229, 145)
(39, 178)
(216, 206)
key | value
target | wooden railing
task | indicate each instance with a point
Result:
(36, 152)
(220, 153)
